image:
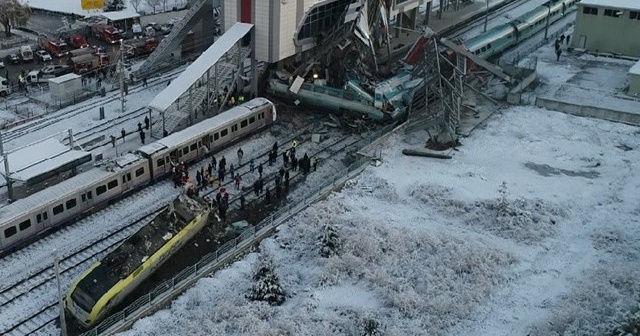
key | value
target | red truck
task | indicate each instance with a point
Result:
(54, 46)
(139, 47)
(86, 63)
(106, 33)
(77, 41)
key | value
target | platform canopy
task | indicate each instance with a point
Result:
(41, 159)
(200, 66)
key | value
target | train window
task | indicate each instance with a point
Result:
(252, 120)
(25, 225)
(244, 124)
(39, 218)
(224, 132)
(83, 198)
(234, 128)
(489, 46)
(160, 162)
(194, 147)
(10, 232)
(58, 209)
(89, 196)
(216, 136)
(112, 184)
(101, 190)
(590, 10)
(139, 172)
(261, 115)
(71, 203)
(185, 150)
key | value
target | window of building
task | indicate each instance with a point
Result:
(634, 15)
(590, 10)
(323, 18)
(611, 12)
(139, 172)
(58, 209)
(25, 225)
(112, 184)
(71, 203)
(10, 232)
(101, 190)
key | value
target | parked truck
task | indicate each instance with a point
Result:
(79, 52)
(77, 41)
(54, 46)
(87, 63)
(109, 34)
(139, 47)
(26, 53)
(5, 88)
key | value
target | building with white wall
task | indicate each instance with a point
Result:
(634, 80)
(287, 27)
(609, 26)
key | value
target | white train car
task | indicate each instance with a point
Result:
(197, 141)
(29, 217)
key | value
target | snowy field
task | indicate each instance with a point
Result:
(531, 229)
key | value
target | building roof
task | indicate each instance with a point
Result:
(635, 69)
(623, 4)
(197, 130)
(120, 15)
(42, 157)
(199, 67)
(64, 78)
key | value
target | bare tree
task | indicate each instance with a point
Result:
(135, 4)
(153, 4)
(12, 12)
(164, 5)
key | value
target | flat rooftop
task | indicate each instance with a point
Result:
(622, 4)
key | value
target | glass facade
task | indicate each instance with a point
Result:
(322, 18)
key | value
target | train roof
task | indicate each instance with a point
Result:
(55, 192)
(205, 126)
(200, 66)
(623, 4)
(139, 247)
(36, 159)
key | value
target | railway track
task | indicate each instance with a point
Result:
(55, 118)
(41, 284)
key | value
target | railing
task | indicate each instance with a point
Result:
(215, 260)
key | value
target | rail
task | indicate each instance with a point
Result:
(227, 252)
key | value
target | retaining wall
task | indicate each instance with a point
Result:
(589, 111)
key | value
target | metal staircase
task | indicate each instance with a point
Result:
(153, 62)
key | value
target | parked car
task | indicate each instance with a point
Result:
(43, 56)
(13, 59)
(56, 70)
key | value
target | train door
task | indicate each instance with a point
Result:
(42, 220)
(126, 181)
(86, 199)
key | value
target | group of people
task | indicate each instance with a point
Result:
(558, 43)
(141, 132)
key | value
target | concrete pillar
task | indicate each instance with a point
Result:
(427, 14)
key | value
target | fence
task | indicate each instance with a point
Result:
(229, 250)
(550, 39)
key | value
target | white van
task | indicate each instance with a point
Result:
(5, 89)
(26, 53)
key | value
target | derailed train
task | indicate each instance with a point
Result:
(501, 38)
(26, 219)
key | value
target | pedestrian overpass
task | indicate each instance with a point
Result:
(193, 95)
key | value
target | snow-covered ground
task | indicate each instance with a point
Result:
(75, 6)
(531, 228)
